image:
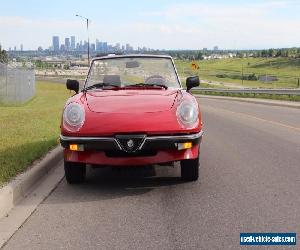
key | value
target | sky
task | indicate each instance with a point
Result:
(158, 24)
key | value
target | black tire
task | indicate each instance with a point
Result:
(75, 172)
(190, 169)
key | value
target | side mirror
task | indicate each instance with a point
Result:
(191, 82)
(73, 85)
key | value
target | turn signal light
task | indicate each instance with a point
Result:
(185, 145)
(76, 147)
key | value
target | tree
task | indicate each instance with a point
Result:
(239, 54)
(199, 56)
(279, 53)
(264, 53)
(3, 56)
(271, 53)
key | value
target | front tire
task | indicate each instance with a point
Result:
(75, 172)
(190, 169)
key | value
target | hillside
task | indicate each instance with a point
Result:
(248, 72)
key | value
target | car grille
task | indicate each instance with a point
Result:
(130, 143)
(118, 153)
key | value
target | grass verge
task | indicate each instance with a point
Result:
(259, 96)
(28, 131)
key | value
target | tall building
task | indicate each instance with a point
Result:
(55, 43)
(98, 45)
(21, 47)
(216, 48)
(93, 47)
(73, 42)
(85, 45)
(67, 44)
(128, 47)
(105, 47)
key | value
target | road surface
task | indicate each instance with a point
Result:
(250, 182)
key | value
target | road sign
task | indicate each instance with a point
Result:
(194, 66)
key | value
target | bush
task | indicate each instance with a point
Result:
(251, 77)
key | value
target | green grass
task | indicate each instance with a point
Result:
(259, 96)
(287, 70)
(28, 131)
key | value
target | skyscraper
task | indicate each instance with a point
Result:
(105, 47)
(67, 44)
(97, 45)
(100, 46)
(93, 47)
(128, 47)
(73, 42)
(55, 43)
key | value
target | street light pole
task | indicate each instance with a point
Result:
(87, 27)
(242, 74)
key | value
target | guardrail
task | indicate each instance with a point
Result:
(290, 92)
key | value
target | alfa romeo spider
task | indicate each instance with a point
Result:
(131, 111)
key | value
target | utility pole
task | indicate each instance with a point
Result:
(242, 74)
(87, 28)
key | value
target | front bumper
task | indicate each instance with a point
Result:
(145, 149)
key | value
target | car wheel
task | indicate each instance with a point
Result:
(190, 169)
(75, 172)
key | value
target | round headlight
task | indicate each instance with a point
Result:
(73, 117)
(187, 114)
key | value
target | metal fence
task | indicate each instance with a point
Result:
(16, 85)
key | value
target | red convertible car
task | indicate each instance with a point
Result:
(132, 111)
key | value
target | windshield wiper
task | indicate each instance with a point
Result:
(148, 84)
(100, 85)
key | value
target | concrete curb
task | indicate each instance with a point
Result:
(18, 188)
(255, 101)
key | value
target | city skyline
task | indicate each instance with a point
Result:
(70, 44)
(233, 24)
(64, 44)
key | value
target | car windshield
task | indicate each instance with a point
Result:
(133, 71)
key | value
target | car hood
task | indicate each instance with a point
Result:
(131, 100)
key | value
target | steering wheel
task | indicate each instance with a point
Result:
(155, 79)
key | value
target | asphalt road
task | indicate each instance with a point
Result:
(250, 182)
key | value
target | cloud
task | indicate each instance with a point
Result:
(260, 24)
(16, 30)
(178, 11)
(246, 25)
